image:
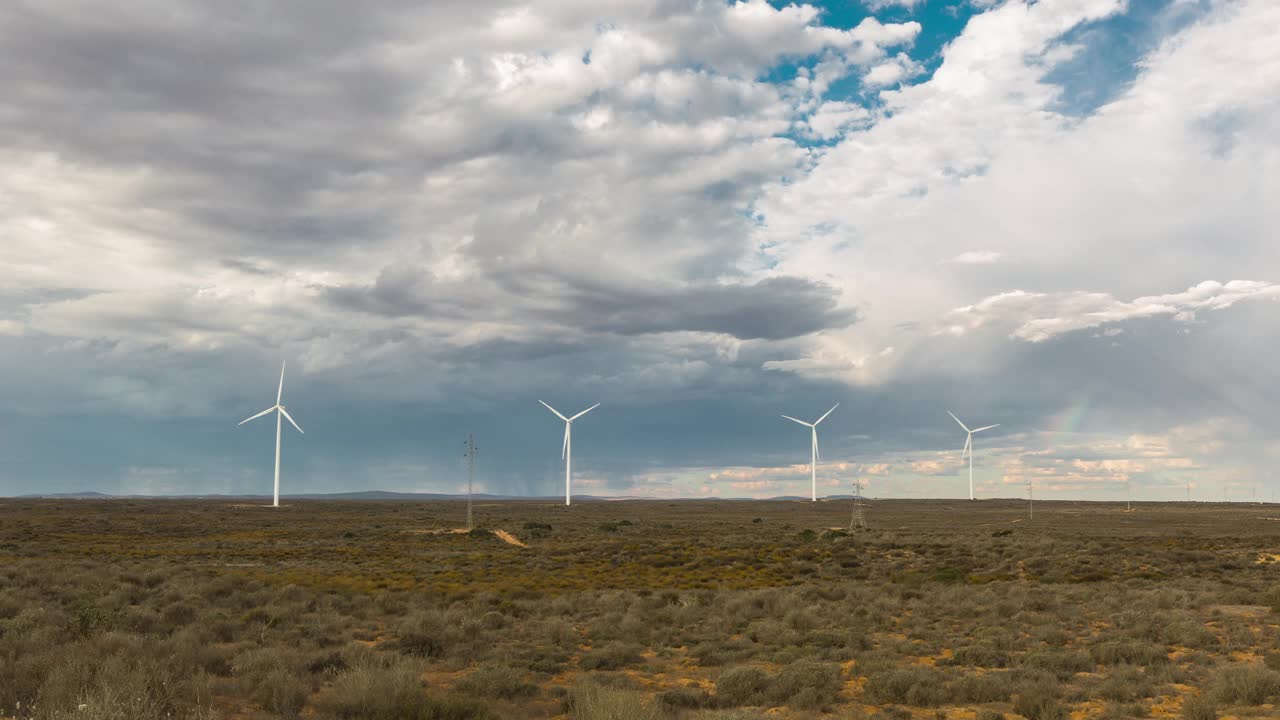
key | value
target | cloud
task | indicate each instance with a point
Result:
(977, 257)
(877, 5)
(834, 118)
(933, 467)
(772, 308)
(1041, 316)
(894, 71)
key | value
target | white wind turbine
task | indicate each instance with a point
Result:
(813, 462)
(279, 394)
(968, 447)
(567, 451)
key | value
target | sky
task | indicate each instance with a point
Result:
(1058, 216)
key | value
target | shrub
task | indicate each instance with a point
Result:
(371, 690)
(918, 686)
(1037, 699)
(613, 656)
(590, 700)
(1128, 652)
(1246, 685)
(1062, 664)
(496, 681)
(1199, 707)
(806, 684)
(281, 692)
(684, 699)
(992, 687)
(329, 663)
(742, 686)
(980, 655)
(423, 635)
(1124, 684)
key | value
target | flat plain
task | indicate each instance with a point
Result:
(644, 610)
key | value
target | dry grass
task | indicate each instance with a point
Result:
(637, 609)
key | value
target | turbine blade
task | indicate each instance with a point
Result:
(824, 415)
(564, 449)
(584, 412)
(280, 390)
(953, 417)
(987, 427)
(797, 421)
(291, 422)
(968, 446)
(255, 417)
(557, 412)
(816, 452)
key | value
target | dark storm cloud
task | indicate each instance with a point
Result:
(772, 309)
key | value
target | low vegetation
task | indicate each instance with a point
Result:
(637, 610)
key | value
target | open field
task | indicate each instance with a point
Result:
(638, 610)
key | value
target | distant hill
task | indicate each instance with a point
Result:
(86, 494)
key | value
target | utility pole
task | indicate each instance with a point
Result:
(1031, 500)
(470, 454)
(1128, 495)
(857, 521)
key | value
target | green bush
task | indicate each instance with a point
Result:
(613, 656)
(683, 699)
(371, 690)
(917, 686)
(1245, 685)
(1199, 707)
(805, 684)
(496, 681)
(281, 692)
(983, 655)
(590, 700)
(991, 687)
(742, 686)
(1037, 699)
(1063, 664)
(1125, 684)
(1128, 652)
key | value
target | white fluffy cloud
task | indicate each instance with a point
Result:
(1040, 316)
(882, 4)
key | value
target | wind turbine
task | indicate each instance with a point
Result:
(567, 451)
(279, 394)
(968, 446)
(813, 463)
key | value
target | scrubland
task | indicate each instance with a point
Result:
(711, 610)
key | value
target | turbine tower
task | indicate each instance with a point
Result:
(567, 451)
(968, 446)
(279, 395)
(813, 462)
